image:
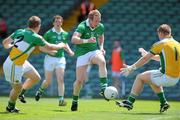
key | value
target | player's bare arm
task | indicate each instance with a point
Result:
(101, 44)
(51, 52)
(76, 39)
(7, 43)
(50, 46)
(144, 52)
(142, 61)
(68, 50)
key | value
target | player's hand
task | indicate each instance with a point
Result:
(142, 51)
(128, 70)
(71, 53)
(92, 40)
(62, 45)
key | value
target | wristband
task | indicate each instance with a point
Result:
(101, 47)
(85, 40)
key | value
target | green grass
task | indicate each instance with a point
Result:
(94, 109)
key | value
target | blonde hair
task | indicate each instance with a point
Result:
(165, 29)
(94, 13)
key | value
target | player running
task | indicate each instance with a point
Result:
(56, 62)
(16, 66)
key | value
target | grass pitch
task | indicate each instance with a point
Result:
(93, 109)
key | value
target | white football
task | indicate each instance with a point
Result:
(110, 92)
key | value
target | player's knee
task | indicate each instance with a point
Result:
(79, 82)
(139, 77)
(102, 63)
(37, 78)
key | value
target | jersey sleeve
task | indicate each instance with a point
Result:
(13, 35)
(66, 37)
(102, 29)
(156, 48)
(45, 36)
(80, 28)
(39, 41)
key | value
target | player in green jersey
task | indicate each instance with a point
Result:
(16, 66)
(56, 62)
(89, 40)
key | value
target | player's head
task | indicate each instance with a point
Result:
(34, 23)
(116, 44)
(57, 21)
(164, 31)
(94, 18)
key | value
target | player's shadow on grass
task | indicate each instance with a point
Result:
(59, 110)
(144, 113)
(11, 113)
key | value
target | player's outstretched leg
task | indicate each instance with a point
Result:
(164, 107)
(11, 108)
(62, 103)
(22, 98)
(125, 103)
(74, 106)
(38, 95)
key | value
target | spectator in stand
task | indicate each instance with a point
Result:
(117, 62)
(86, 7)
(3, 28)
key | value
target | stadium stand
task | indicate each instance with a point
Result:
(134, 23)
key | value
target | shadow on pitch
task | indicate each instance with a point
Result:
(59, 110)
(144, 113)
(4, 113)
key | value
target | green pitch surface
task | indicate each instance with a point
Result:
(94, 109)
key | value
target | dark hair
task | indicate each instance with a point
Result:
(57, 17)
(165, 29)
(34, 21)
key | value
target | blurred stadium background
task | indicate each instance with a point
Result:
(132, 22)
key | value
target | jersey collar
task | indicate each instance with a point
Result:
(54, 30)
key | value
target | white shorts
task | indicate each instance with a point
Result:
(86, 58)
(161, 79)
(52, 63)
(14, 73)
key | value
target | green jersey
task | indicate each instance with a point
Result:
(24, 43)
(86, 33)
(54, 37)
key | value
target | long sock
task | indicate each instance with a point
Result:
(132, 98)
(41, 89)
(103, 83)
(22, 92)
(161, 97)
(61, 98)
(75, 98)
(11, 104)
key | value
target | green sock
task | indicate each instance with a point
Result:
(132, 98)
(61, 98)
(75, 98)
(11, 104)
(161, 97)
(103, 83)
(41, 89)
(22, 92)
